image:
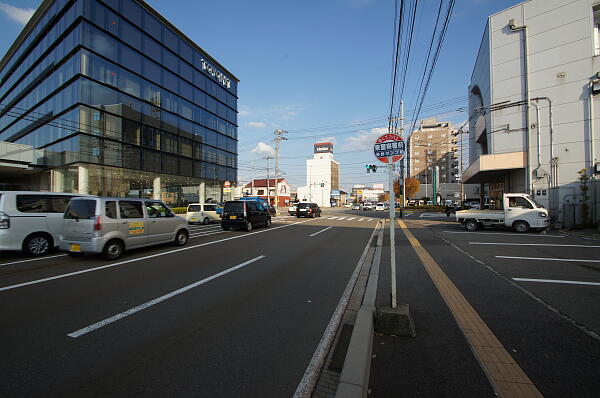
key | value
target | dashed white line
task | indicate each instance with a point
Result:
(578, 260)
(34, 282)
(318, 232)
(150, 303)
(32, 259)
(556, 281)
(528, 244)
(505, 233)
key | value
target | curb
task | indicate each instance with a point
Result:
(354, 379)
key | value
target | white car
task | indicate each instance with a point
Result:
(356, 207)
(202, 213)
(367, 206)
(379, 207)
(292, 209)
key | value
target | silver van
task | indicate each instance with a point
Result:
(112, 225)
(31, 221)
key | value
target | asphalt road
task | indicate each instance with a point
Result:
(538, 293)
(229, 314)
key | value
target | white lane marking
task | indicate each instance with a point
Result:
(144, 257)
(505, 233)
(31, 259)
(550, 259)
(528, 244)
(209, 233)
(331, 218)
(323, 230)
(351, 218)
(556, 281)
(150, 303)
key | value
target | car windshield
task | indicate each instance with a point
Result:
(534, 201)
(233, 207)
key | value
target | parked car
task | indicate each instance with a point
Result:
(348, 205)
(367, 206)
(203, 213)
(111, 226)
(245, 214)
(31, 221)
(380, 207)
(356, 207)
(306, 209)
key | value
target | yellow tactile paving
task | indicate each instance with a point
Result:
(505, 375)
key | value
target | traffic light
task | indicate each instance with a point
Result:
(370, 167)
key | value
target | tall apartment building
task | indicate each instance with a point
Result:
(322, 176)
(433, 145)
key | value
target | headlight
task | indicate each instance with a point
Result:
(542, 214)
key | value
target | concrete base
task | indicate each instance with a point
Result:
(396, 321)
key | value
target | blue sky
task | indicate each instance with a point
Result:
(305, 66)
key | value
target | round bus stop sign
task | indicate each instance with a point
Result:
(389, 148)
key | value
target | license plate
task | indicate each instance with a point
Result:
(194, 219)
(232, 217)
(75, 247)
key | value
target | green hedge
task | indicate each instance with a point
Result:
(179, 210)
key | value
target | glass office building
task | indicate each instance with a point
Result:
(121, 102)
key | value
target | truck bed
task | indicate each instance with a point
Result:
(490, 215)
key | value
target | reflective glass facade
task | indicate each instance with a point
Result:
(104, 86)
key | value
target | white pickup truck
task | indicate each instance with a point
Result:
(519, 212)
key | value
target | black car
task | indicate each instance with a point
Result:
(245, 214)
(305, 209)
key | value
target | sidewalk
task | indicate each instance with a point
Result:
(436, 363)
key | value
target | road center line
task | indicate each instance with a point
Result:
(318, 232)
(556, 281)
(144, 257)
(527, 244)
(503, 372)
(150, 303)
(577, 260)
(32, 259)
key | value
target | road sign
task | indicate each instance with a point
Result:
(226, 184)
(389, 148)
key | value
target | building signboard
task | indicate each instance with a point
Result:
(323, 147)
(335, 193)
(211, 70)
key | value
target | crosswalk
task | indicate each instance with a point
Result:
(286, 218)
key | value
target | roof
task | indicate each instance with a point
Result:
(263, 182)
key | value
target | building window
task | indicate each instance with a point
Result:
(260, 192)
(417, 161)
(430, 136)
(417, 153)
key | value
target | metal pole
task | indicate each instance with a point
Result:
(252, 186)
(404, 161)
(268, 184)
(392, 234)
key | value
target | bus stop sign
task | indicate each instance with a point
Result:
(389, 148)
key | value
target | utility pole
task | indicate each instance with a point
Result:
(404, 160)
(252, 183)
(278, 137)
(268, 183)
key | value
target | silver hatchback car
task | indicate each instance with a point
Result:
(112, 225)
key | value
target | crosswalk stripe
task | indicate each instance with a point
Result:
(341, 218)
(351, 218)
(331, 218)
(360, 219)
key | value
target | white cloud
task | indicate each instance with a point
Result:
(364, 140)
(20, 15)
(256, 124)
(333, 140)
(263, 149)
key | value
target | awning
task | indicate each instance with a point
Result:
(490, 168)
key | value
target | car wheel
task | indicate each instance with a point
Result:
(113, 250)
(297, 216)
(268, 223)
(205, 221)
(181, 238)
(521, 226)
(37, 245)
(471, 225)
(248, 226)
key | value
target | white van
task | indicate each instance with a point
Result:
(31, 221)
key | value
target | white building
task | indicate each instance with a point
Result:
(533, 111)
(322, 176)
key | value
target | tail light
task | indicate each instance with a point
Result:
(97, 224)
(4, 220)
(310, 210)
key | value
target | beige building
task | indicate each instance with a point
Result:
(433, 144)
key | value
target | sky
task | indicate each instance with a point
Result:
(321, 70)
